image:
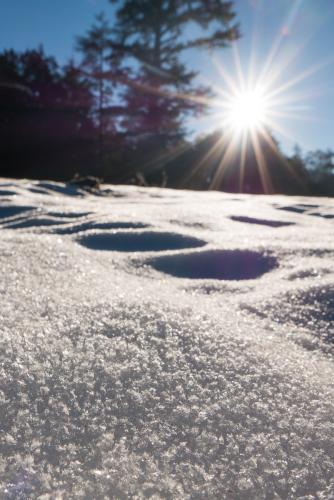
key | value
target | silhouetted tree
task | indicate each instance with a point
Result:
(44, 115)
(161, 90)
(95, 48)
(320, 165)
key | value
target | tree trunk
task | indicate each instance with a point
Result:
(100, 107)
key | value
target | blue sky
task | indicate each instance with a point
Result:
(300, 27)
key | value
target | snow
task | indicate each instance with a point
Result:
(126, 374)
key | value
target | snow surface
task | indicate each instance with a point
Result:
(126, 374)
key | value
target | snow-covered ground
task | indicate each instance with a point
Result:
(165, 344)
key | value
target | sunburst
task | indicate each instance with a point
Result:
(249, 111)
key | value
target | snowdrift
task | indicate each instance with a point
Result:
(165, 344)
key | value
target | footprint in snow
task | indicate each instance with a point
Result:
(7, 192)
(262, 222)
(37, 190)
(323, 215)
(66, 222)
(70, 215)
(298, 209)
(146, 241)
(35, 222)
(191, 224)
(216, 264)
(13, 210)
(92, 225)
(66, 189)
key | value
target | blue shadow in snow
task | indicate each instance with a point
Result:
(216, 264)
(12, 210)
(262, 222)
(91, 225)
(147, 241)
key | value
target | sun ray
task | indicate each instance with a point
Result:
(285, 61)
(160, 160)
(218, 89)
(224, 75)
(300, 77)
(289, 114)
(261, 164)
(304, 96)
(242, 162)
(283, 160)
(285, 132)
(228, 154)
(237, 61)
(285, 28)
(216, 149)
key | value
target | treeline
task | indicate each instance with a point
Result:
(119, 113)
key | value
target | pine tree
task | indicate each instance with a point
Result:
(154, 35)
(95, 48)
(45, 116)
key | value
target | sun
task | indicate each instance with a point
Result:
(247, 111)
